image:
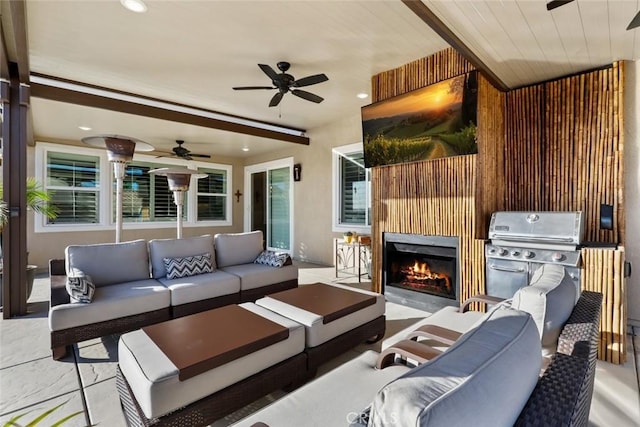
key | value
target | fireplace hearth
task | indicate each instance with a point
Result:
(421, 271)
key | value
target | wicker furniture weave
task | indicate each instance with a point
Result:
(563, 394)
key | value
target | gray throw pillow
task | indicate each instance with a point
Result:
(188, 266)
(271, 258)
(80, 287)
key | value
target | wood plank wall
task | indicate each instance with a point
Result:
(564, 148)
(552, 146)
(439, 197)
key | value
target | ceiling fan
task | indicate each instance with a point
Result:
(635, 22)
(183, 153)
(287, 83)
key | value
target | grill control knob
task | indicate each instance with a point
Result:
(492, 251)
(515, 253)
(502, 252)
(528, 254)
(557, 256)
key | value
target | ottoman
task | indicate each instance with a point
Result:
(199, 368)
(336, 318)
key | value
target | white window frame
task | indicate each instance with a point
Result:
(336, 154)
(107, 198)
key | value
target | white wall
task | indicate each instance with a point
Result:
(313, 238)
(632, 183)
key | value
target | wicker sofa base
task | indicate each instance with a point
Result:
(61, 340)
(215, 406)
(251, 295)
(369, 332)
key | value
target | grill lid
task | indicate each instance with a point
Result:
(558, 228)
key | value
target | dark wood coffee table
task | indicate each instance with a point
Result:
(203, 341)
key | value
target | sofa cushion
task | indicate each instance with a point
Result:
(110, 263)
(485, 378)
(237, 248)
(188, 266)
(549, 299)
(272, 258)
(111, 302)
(253, 276)
(203, 286)
(80, 287)
(177, 248)
(153, 378)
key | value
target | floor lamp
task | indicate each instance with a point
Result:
(178, 179)
(120, 152)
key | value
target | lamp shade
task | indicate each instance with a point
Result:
(119, 148)
(178, 178)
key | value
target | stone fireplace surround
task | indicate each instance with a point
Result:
(424, 246)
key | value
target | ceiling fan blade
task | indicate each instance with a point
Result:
(311, 80)
(307, 95)
(635, 22)
(557, 3)
(253, 87)
(268, 71)
(203, 156)
(276, 99)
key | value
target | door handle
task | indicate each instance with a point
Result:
(507, 269)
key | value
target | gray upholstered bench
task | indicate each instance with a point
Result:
(228, 358)
(336, 318)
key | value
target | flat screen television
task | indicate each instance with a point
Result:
(435, 121)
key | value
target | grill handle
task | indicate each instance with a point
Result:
(532, 238)
(507, 269)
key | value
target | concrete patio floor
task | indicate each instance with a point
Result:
(31, 382)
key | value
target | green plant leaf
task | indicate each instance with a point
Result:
(44, 415)
(67, 418)
(12, 421)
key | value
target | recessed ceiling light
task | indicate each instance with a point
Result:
(362, 95)
(137, 6)
(245, 148)
(84, 128)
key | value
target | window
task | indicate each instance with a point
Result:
(212, 195)
(83, 188)
(352, 190)
(73, 182)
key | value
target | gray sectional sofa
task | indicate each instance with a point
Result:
(132, 289)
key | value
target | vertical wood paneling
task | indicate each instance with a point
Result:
(552, 146)
(604, 272)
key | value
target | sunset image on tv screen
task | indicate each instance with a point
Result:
(436, 121)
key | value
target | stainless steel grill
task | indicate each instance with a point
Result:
(522, 241)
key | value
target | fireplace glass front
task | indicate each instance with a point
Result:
(421, 271)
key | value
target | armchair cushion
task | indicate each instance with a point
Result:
(485, 378)
(178, 248)
(549, 299)
(110, 263)
(188, 266)
(237, 248)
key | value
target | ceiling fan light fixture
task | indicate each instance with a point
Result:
(137, 6)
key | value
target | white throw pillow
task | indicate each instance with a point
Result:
(549, 299)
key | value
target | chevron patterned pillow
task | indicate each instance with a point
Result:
(80, 287)
(188, 266)
(274, 259)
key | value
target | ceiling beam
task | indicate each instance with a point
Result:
(61, 90)
(429, 18)
(14, 31)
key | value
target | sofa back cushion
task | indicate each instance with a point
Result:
(159, 249)
(484, 378)
(237, 248)
(110, 263)
(549, 298)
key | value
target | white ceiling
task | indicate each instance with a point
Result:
(194, 52)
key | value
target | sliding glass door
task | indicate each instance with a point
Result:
(269, 205)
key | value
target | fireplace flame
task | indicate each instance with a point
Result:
(420, 273)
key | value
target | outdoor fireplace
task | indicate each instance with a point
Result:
(421, 271)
